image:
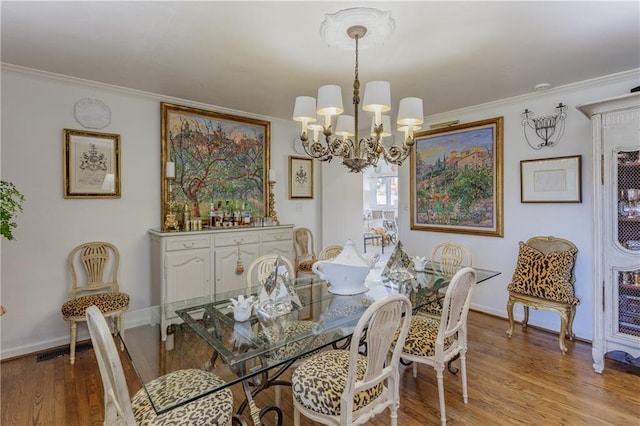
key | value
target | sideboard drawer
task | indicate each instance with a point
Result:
(189, 243)
(277, 235)
(232, 239)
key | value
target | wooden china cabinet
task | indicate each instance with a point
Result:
(616, 198)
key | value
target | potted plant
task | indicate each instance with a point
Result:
(10, 204)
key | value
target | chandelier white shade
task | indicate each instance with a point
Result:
(357, 154)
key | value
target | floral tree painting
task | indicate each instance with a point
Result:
(456, 179)
(220, 160)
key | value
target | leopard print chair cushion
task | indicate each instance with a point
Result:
(421, 339)
(318, 383)
(306, 265)
(293, 329)
(213, 409)
(106, 302)
(544, 276)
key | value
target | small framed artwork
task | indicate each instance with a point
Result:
(551, 180)
(91, 164)
(300, 177)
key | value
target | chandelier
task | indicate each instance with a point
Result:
(357, 153)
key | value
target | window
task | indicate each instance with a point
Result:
(385, 192)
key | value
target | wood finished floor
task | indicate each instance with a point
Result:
(524, 380)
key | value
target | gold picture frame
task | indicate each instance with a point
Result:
(456, 179)
(300, 178)
(91, 166)
(216, 158)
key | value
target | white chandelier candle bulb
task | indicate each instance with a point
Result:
(170, 172)
(304, 111)
(386, 126)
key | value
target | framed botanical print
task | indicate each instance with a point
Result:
(300, 177)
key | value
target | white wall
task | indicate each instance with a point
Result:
(522, 221)
(35, 281)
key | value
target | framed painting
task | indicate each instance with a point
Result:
(300, 177)
(456, 179)
(551, 180)
(216, 159)
(91, 165)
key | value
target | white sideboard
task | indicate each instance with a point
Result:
(187, 265)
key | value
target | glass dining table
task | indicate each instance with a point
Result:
(256, 353)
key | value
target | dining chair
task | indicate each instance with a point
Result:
(447, 258)
(93, 267)
(436, 341)
(215, 408)
(345, 387)
(263, 267)
(330, 252)
(305, 255)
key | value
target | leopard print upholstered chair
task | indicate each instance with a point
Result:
(544, 279)
(436, 341)
(345, 387)
(93, 267)
(213, 409)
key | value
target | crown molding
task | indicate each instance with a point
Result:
(46, 75)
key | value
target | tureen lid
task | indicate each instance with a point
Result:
(350, 256)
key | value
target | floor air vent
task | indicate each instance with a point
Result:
(58, 352)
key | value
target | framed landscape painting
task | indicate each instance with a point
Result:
(456, 179)
(218, 158)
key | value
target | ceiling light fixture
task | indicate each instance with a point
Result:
(357, 154)
(545, 127)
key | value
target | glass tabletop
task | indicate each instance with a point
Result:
(204, 334)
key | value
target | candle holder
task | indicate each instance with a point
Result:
(170, 220)
(272, 202)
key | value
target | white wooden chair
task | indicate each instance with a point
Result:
(93, 267)
(344, 387)
(260, 269)
(449, 257)
(216, 408)
(330, 252)
(436, 341)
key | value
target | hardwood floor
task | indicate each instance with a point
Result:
(517, 381)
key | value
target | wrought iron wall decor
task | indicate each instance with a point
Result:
(549, 128)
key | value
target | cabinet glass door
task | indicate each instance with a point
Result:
(628, 220)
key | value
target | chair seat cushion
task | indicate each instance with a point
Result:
(294, 328)
(319, 382)
(106, 302)
(306, 265)
(545, 276)
(421, 339)
(213, 409)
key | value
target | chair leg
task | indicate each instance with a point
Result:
(572, 315)
(525, 321)
(415, 369)
(120, 329)
(277, 395)
(440, 376)
(72, 344)
(563, 330)
(463, 371)
(296, 417)
(510, 314)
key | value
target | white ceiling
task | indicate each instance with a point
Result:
(258, 56)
